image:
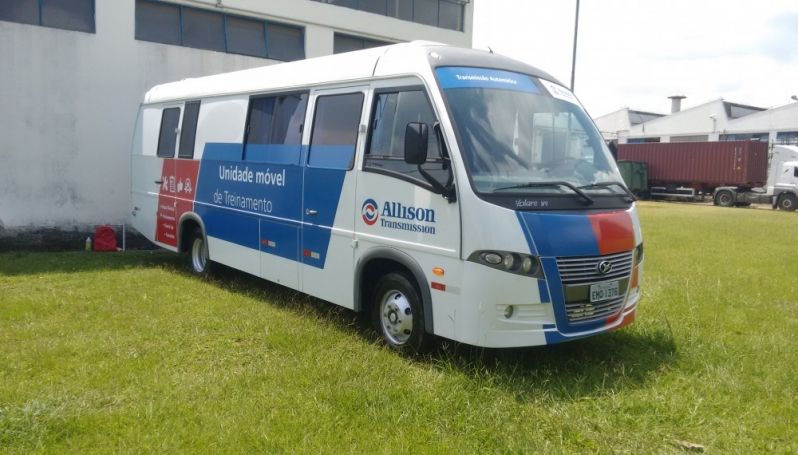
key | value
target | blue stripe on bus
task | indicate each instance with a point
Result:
(559, 234)
(273, 153)
(257, 203)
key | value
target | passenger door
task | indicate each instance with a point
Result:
(328, 195)
(165, 184)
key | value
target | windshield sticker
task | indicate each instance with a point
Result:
(461, 77)
(559, 92)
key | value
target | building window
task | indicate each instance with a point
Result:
(349, 43)
(205, 29)
(446, 14)
(77, 15)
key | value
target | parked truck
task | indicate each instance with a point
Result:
(736, 173)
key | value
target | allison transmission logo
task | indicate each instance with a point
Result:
(395, 215)
(370, 212)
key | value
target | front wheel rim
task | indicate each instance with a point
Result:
(725, 199)
(786, 203)
(199, 255)
(396, 317)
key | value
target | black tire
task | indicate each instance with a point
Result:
(724, 198)
(198, 260)
(398, 314)
(788, 202)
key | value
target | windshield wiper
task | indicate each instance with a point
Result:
(584, 197)
(609, 184)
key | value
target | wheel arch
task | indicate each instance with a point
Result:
(188, 221)
(378, 261)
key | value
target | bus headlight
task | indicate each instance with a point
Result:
(508, 261)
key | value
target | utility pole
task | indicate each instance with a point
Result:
(576, 34)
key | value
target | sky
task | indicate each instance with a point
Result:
(637, 53)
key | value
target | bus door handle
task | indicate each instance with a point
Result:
(311, 212)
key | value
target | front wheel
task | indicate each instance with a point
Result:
(788, 202)
(198, 254)
(399, 315)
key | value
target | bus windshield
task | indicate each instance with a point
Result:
(524, 135)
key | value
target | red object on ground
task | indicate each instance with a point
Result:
(104, 239)
(701, 164)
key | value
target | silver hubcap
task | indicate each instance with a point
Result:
(199, 255)
(397, 317)
(786, 203)
(725, 199)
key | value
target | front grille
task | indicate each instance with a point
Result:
(581, 270)
(586, 311)
(578, 273)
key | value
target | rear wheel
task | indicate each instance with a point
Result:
(724, 198)
(788, 202)
(398, 314)
(199, 259)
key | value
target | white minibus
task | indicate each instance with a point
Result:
(447, 192)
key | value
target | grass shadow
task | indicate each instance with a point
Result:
(595, 366)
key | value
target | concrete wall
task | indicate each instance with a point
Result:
(70, 100)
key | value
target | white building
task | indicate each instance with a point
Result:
(73, 75)
(716, 120)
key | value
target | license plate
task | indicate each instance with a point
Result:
(604, 291)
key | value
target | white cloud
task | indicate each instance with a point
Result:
(636, 53)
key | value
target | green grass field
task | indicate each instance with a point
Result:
(127, 352)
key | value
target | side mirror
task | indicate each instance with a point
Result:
(416, 141)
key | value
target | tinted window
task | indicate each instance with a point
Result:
(346, 3)
(23, 11)
(246, 36)
(289, 119)
(75, 15)
(277, 119)
(451, 15)
(285, 43)
(261, 113)
(275, 128)
(374, 6)
(157, 22)
(203, 29)
(188, 132)
(167, 139)
(403, 9)
(347, 43)
(69, 14)
(392, 113)
(426, 12)
(335, 129)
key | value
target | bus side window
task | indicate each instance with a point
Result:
(391, 114)
(335, 129)
(167, 138)
(274, 128)
(188, 132)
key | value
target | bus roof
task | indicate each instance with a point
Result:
(416, 57)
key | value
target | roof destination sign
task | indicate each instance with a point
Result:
(452, 77)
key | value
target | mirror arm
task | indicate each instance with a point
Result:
(447, 191)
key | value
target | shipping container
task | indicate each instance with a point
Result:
(702, 166)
